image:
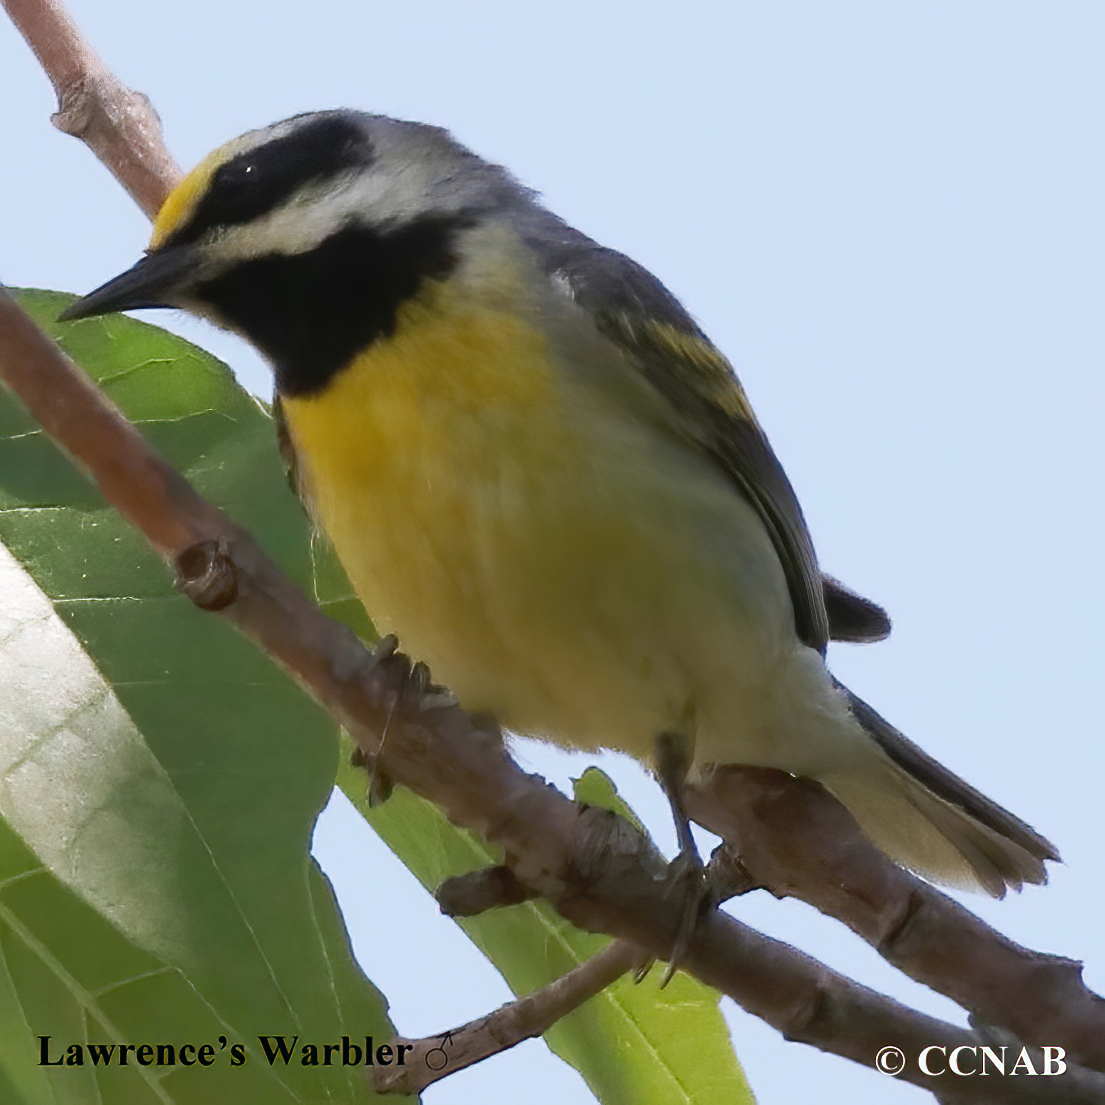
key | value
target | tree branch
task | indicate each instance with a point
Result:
(436, 1057)
(796, 840)
(117, 124)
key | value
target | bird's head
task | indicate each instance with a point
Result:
(307, 236)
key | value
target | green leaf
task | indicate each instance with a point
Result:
(595, 788)
(193, 896)
(159, 777)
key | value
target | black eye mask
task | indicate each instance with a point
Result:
(259, 180)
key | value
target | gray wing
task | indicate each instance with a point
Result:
(634, 309)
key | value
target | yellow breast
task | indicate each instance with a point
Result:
(418, 461)
(553, 556)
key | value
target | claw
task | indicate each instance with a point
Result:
(687, 878)
(686, 873)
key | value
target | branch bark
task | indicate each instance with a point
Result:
(435, 1057)
(118, 125)
(796, 840)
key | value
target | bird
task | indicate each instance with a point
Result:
(539, 472)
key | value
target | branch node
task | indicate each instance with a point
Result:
(605, 846)
(726, 876)
(206, 573)
(810, 1016)
(478, 891)
(914, 904)
(74, 113)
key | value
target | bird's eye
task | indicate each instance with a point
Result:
(258, 180)
(232, 176)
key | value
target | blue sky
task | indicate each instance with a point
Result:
(889, 216)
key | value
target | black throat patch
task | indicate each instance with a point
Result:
(312, 313)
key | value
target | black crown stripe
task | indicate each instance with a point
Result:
(257, 181)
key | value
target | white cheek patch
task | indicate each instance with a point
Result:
(294, 227)
(397, 197)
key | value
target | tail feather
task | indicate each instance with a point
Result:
(851, 616)
(930, 820)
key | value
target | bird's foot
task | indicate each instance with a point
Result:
(686, 883)
(686, 876)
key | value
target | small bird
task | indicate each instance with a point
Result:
(539, 472)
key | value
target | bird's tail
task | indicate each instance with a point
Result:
(931, 821)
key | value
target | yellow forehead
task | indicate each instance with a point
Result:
(182, 200)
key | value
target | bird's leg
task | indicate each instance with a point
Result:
(686, 874)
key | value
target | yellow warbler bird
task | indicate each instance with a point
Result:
(541, 475)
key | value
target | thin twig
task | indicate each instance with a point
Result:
(435, 1057)
(119, 125)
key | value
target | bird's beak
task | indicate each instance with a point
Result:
(156, 281)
